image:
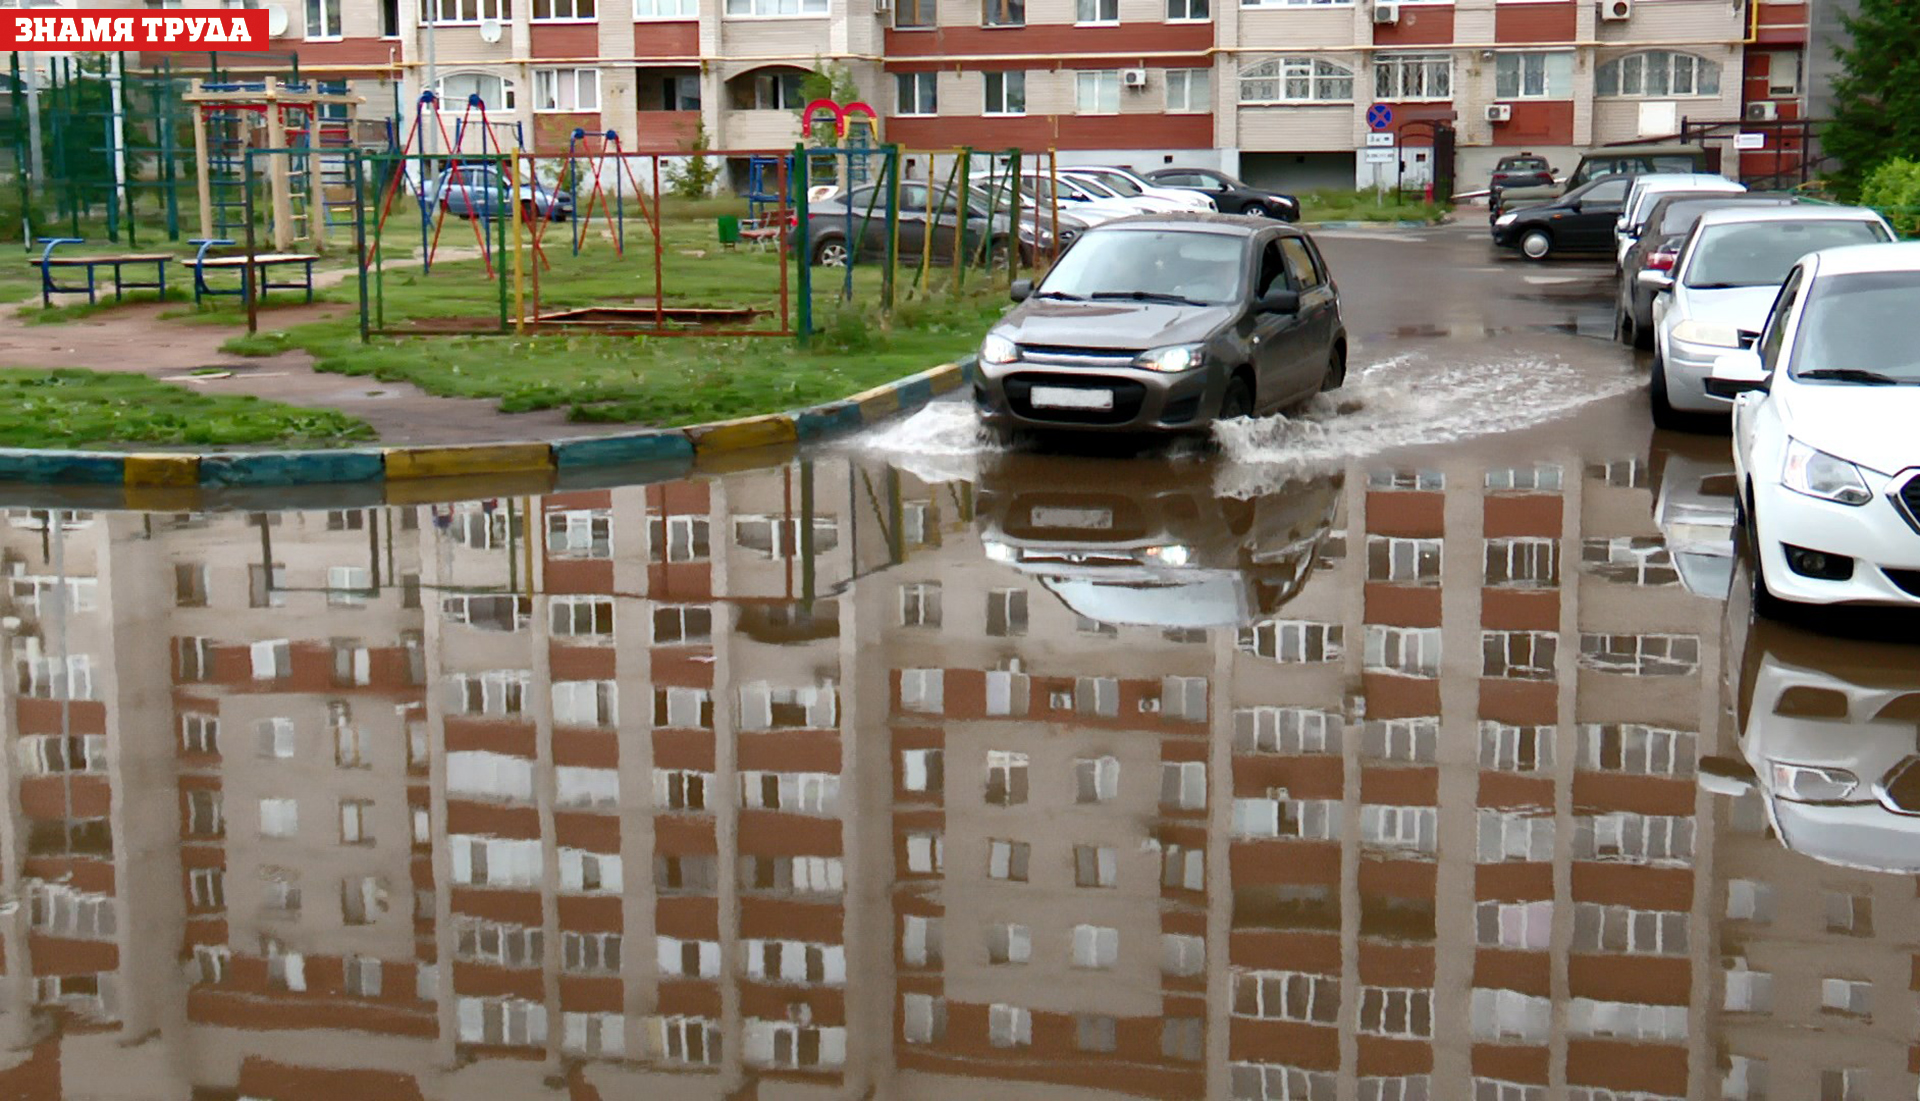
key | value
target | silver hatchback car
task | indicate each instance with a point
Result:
(1164, 324)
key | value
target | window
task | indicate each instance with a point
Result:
(1412, 76)
(503, 945)
(1510, 748)
(53, 678)
(1851, 915)
(1626, 930)
(1291, 641)
(1277, 817)
(1657, 74)
(1406, 651)
(1285, 730)
(1519, 655)
(200, 733)
(682, 709)
(41, 593)
(926, 853)
(1641, 655)
(62, 911)
(1097, 696)
(475, 773)
(923, 1018)
(917, 93)
(1095, 946)
(1634, 838)
(283, 899)
(687, 959)
(693, 1041)
(1093, 1032)
(678, 539)
(1403, 561)
(1007, 860)
(1750, 900)
(585, 703)
(497, 693)
(670, 9)
(563, 10)
(210, 963)
(1402, 1087)
(576, 615)
(589, 872)
(348, 586)
(1783, 73)
(494, 861)
(1095, 865)
(502, 1021)
(57, 754)
(1184, 698)
(1515, 836)
(189, 582)
(1085, 626)
(1541, 478)
(579, 786)
(465, 11)
(1396, 1011)
(193, 659)
(1183, 784)
(274, 737)
(922, 770)
(362, 899)
(1637, 749)
(1533, 75)
(1287, 996)
(1096, 11)
(1522, 926)
(796, 962)
(1745, 1080)
(773, 536)
(920, 941)
(1006, 778)
(1004, 13)
(922, 690)
(1523, 563)
(1393, 827)
(1410, 740)
(207, 888)
(1182, 955)
(765, 707)
(1096, 779)
(1630, 560)
(686, 874)
(913, 14)
(567, 89)
(581, 532)
(1181, 11)
(356, 827)
(802, 875)
(1626, 1020)
(1009, 1026)
(680, 624)
(593, 1034)
(1009, 944)
(1096, 93)
(920, 600)
(1181, 868)
(1844, 1085)
(1509, 1015)
(496, 612)
(279, 817)
(1278, 1082)
(763, 8)
(1008, 692)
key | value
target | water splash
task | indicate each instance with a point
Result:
(943, 442)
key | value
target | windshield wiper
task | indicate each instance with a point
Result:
(1850, 374)
(1147, 296)
(1721, 286)
(1061, 295)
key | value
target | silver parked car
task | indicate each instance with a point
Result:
(1166, 323)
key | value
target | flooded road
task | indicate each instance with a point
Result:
(1407, 750)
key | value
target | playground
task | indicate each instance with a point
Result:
(276, 228)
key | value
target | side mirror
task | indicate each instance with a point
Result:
(1655, 280)
(1021, 290)
(1279, 301)
(1737, 373)
(1728, 776)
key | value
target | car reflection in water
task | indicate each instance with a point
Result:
(1829, 739)
(1696, 509)
(1148, 544)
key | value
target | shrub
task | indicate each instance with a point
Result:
(1894, 190)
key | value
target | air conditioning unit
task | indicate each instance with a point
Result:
(1149, 706)
(1386, 13)
(1133, 78)
(1766, 111)
(1616, 11)
(1060, 701)
(882, 7)
(1499, 112)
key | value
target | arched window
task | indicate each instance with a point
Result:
(1656, 74)
(495, 92)
(1295, 80)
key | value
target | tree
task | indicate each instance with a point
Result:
(1876, 97)
(832, 80)
(694, 179)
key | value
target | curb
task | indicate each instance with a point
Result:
(417, 472)
(1400, 224)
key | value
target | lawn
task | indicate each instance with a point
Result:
(72, 408)
(1366, 206)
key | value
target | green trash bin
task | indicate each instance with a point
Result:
(729, 230)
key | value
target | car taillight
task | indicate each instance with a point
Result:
(1661, 261)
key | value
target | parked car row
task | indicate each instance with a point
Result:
(1796, 321)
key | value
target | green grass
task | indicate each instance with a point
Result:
(73, 408)
(1366, 206)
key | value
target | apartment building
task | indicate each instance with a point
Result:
(787, 782)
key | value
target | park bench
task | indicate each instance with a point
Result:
(263, 263)
(47, 262)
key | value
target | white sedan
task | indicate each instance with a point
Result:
(1823, 432)
(1128, 184)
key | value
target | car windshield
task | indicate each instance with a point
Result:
(1759, 254)
(1115, 182)
(1201, 268)
(1093, 187)
(1680, 215)
(1863, 323)
(1524, 164)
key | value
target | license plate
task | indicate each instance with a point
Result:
(1084, 519)
(1062, 397)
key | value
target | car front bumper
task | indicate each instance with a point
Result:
(1143, 401)
(1884, 547)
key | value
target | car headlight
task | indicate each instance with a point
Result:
(1812, 783)
(1171, 359)
(996, 552)
(1818, 474)
(998, 349)
(1707, 333)
(1505, 219)
(1173, 554)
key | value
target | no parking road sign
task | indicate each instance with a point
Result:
(1379, 116)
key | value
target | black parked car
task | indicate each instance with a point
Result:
(1579, 221)
(1165, 323)
(1229, 195)
(861, 216)
(1669, 220)
(1521, 170)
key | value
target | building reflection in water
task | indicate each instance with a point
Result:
(818, 781)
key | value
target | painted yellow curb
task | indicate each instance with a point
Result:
(442, 462)
(738, 435)
(162, 470)
(878, 403)
(947, 376)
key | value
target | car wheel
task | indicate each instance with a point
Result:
(830, 253)
(1336, 369)
(1256, 209)
(1237, 401)
(1642, 334)
(997, 255)
(1664, 414)
(1537, 244)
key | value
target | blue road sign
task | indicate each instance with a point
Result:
(1379, 116)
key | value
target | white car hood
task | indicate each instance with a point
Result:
(1742, 307)
(1868, 425)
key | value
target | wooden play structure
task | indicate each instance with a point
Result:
(304, 196)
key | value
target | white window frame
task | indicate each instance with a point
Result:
(776, 9)
(566, 90)
(1403, 651)
(1096, 13)
(923, 691)
(1300, 996)
(1408, 561)
(1614, 72)
(1538, 654)
(1389, 826)
(586, 703)
(574, 12)
(920, 604)
(1535, 74)
(1642, 749)
(279, 817)
(1294, 641)
(1507, 836)
(580, 533)
(1626, 930)
(1289, 731)
(1411, 740)
(1009, 1026)
(1397, 1011)
(914, 91)
(679, 538)
(1516, 926)
(1501, 746)
(1006, 77)
(1096, 92)
(1390, 78)
(1186, 781)
(1522, 562)
(450, 12)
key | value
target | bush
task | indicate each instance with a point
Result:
(1894, 190)
(694, 178)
